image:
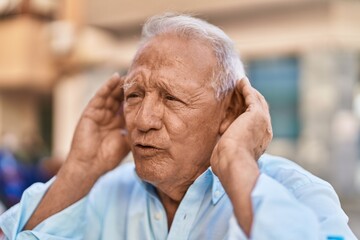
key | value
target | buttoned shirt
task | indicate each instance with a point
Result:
(288, 203)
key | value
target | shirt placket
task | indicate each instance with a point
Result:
(189, 207)
(157, 217)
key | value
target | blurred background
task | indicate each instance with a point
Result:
(303, 55)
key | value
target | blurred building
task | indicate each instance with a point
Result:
(303, 55)
(27, 75)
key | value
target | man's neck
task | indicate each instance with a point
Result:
(171, 197)
(171, 194)
(170, 206)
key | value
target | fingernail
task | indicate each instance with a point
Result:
(115, 75)
(123, 132)
(247, 80)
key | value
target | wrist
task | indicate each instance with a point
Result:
(76, 174)
(238, 173)
(84, 166)
(239, 162)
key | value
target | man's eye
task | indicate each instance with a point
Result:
(132, 95)
(171, 98)
(133, 98)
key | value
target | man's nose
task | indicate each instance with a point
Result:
(150, 114)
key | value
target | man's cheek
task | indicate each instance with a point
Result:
(129, 118)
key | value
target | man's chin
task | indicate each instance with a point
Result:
(150, 173)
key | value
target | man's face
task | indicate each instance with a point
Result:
(170, 108)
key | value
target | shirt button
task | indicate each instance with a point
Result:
(158, 216)
(217, 194)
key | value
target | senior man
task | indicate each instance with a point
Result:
(196, 129)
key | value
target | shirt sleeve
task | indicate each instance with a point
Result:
(324, 202)
(55, 227)
(279, 215)
(311, 212)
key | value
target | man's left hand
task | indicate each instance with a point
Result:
(250, 133)
(234, 158)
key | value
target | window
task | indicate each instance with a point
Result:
(277, 80)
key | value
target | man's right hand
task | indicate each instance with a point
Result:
(99, 142)
(98, 146)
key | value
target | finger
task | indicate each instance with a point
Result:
(262, 105)
(254, 99)
(241, 84)
(260, 97)
(97, 102)
(117, 98)
(262, 100)
(122, 116)
(112, 104)
(247, 91)
(114, 99)
(118, 92)
(109, 94)
(109, 86)
(265, 107)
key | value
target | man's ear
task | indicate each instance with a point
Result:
(234, 106)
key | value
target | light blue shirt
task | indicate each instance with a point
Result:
(289, 203)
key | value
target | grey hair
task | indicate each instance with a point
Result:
(229, 66)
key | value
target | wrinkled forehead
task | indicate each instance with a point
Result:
(172, 50)
(157, 53)
(177, 57)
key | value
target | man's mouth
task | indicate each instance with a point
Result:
(145, 146)
(146, 150)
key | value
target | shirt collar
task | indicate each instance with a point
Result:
(217, 190)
